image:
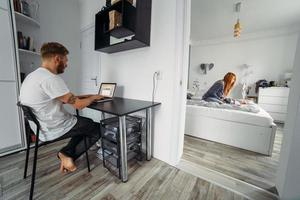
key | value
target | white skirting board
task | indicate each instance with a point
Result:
(254, 138)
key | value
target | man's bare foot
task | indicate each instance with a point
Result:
(67, 163)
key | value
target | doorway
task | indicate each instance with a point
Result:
(272, 162)
(89, 75)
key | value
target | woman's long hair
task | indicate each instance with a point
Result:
(229, 80)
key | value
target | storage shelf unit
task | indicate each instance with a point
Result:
(28, 60)
(26, 20)
(111, 143)
(29, 27)
(136, 22)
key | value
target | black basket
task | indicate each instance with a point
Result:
(111, 143)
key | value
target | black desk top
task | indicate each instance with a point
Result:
(122, 106)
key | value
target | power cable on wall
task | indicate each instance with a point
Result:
(154, 82)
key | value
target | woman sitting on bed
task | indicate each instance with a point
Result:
(220, 89)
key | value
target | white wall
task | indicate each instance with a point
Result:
(269, 56)
(60, 23)
(134, 69)
(88, 11)
(288, 179)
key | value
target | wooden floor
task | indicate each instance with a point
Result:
(153, 180)
(247, 166)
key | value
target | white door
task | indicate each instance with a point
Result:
(7, 61)
(10, 131)
(3, 4)
(89, 76)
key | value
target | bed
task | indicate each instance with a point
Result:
(251, 131)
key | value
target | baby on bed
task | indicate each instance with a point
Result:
(219, 91)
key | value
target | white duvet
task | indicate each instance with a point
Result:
(249, 107)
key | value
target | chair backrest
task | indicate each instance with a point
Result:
(29, 114)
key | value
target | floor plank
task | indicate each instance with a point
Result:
(251, 167)
(149, 180)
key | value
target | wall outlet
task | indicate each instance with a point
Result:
(159, 75)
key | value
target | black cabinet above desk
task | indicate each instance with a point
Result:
(135, 26)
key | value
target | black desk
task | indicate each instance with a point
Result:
(122, 107)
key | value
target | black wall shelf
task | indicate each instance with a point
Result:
(136, 22)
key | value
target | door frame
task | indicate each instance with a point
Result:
(82, 32)
(183, 19)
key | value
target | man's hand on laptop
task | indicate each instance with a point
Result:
(97, 97)
(92, 96)
(84, 96)
(79, 103)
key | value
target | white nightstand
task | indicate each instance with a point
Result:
(274, 100)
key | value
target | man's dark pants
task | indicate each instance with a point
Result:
(84, 127)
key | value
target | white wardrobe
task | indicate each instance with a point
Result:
(11, 123)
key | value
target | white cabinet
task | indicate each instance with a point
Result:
(7, 60)
(274, 100)
(3, 4)
(10, 131)
(11, 128)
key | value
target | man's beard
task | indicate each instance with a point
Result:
(60, 68)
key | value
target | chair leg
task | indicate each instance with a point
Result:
(87, 155)
(26, 163)
(34, 170)
(27, 153)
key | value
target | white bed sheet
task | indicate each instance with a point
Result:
(262, 118)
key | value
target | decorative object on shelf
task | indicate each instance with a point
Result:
(205, 67)
(28, 8)
(108, 3)
(237, 26)
(17, 6)
(287, 78)
(272, 83)
(25, 8)
(20, 39)
(25, 42)
(116, 1)
(34, 7)
(261, 83)
(115, 19)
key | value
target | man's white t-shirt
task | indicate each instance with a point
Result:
(39, 91)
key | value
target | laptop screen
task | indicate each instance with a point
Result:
(107, 89)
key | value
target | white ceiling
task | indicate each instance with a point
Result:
(215, 18)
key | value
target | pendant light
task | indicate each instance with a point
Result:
(237, 26)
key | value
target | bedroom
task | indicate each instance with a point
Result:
(234, 143)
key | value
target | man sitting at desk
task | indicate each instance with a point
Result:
(45, 92)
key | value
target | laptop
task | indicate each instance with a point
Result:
(107, 90)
